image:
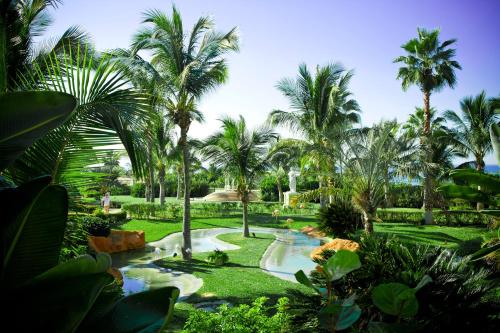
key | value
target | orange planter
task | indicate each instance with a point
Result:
(118, 241)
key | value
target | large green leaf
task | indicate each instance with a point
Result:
(342, 263)
(395, 299)
(480, 254)
(33, 241)
(27, 116)
(148, 311)
(56, 303)
(302, 278)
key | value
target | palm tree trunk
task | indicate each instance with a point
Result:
(186, 219)
(151, 173)
(480, 168)
(427, 148)
(368, 218)
(387, 199)
(280, 190)
(322, 201)
(179, 185)
(147, 190)
(246, 232)
(161, 180)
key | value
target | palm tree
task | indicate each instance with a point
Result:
(399, 152)
(241, 153)
(470, 131)
(317, 104)
(429, 65)
(192, 64)
(367, 170)
(20, 23)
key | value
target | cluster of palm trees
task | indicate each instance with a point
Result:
(146, 97)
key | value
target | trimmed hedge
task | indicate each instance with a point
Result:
(212, 209)
(451, 217)
(198, 189)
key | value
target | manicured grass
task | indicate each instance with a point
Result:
(156, 229)
(241, 280)
(453, 237)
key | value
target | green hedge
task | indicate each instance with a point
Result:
(452, 217)
(212, 209)
(198, 189)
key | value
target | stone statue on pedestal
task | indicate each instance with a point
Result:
(292, 183)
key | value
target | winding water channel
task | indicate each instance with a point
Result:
(286, 255)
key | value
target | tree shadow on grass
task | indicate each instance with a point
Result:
(421, 236)
(196, 265)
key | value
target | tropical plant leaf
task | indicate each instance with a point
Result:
(108, 114)
(148, 311)
(487, 182)
(302, 278)
(342, 263)
(464, 192)
(480, 254)
(395, 299)
(27, 116)
(56, 303)
(33, 240)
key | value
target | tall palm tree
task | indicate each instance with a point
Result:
(192, 64)
(21, 21)
(317, 104)
(241, 153)
(429, 65)
(470, 131)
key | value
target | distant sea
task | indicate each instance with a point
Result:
(492, 168)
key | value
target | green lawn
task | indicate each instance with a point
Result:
(453, 237)
(430, 234)
(239, 281)
(156, 229)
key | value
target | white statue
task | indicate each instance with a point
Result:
(292, 180)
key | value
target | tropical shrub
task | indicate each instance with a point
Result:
(269, 188)
(406, 195)
(111, 218)
(173, 210)
(242, 319)
(460, 297)
(75, 239)
(448, 217)
(218, 257)
(138, 190)
(95, 225)
(340, 218)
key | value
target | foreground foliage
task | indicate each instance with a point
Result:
(242, 319)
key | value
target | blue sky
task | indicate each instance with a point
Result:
(276, 36)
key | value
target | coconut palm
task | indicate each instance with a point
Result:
(430, 65)
(368, 170)
(192, 64)
(470, 131)
(317, 104)
(21, 21)
(242, 153)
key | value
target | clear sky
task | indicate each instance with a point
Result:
(364, 35)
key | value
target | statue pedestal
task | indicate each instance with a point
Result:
(288, 196)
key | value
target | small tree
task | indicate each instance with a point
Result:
(241, 153)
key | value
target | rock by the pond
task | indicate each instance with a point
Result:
(336, 244)
(312, 231)
(210, 306)
(118, 241)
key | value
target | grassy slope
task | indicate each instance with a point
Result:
(239, 281)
